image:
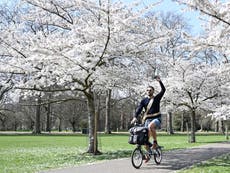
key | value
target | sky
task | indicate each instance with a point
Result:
(170, 6)
(191, 16)
(166, 6)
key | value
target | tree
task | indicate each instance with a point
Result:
(70, 47)
(37, 127)
(215, 21)
(107, 112)
(214, 40)
(5, 87)
(221, 110)
(171, 50)
(194, 86)
(48, 115)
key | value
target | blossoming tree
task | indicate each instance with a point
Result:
(77, 46)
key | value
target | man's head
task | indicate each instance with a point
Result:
(150, 91)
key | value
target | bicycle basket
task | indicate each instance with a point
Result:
(138, 135)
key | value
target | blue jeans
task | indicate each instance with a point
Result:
(156, 121)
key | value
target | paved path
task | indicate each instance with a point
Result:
(172, 161)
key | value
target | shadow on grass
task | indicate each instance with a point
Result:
(110, 155)
(87, 157)
(223, 161)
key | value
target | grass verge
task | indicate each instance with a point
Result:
(217, 165)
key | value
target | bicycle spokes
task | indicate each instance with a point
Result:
(137, 158)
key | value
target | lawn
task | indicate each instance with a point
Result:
(217, 165)
(28, 153)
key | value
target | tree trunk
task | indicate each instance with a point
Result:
(170, 126)
(122, 120)
(3, 126)
(91, 121)
(95, 142)
(31, 125)
(182, 122)
(60, 124)
(48, 128)
(73, 123)
(167, 123)
(221, 126)
(3, 122)
(216, 126)
(15, 124)
(226, 131)
(193, 126)
(37, 129)
(107, 112)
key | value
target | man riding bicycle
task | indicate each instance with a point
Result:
(152, 116)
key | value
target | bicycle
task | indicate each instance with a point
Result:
(138, 155)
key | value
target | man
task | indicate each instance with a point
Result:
(152, 116)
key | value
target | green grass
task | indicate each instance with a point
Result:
(218, 165)
(28, 153)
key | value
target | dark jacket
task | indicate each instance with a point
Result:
(156, 103)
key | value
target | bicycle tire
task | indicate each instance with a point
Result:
(137, 158)
(157, 155)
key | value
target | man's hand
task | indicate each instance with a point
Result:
(134, 120)
(157, 78)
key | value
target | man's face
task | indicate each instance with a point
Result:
(150, 91)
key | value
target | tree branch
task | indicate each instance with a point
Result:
(107, 41)
(207, 13)
(69, 19)
(48, 89)
(16, 50)
(210, 97)
(53, 101)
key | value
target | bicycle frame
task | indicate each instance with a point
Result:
(138, 155)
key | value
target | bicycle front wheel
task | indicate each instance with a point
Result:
(137, 158)
(158, 155)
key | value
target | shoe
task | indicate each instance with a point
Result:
(147, 158)
(155, 145)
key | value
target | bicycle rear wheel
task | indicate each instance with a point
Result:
(157, 155)
(137, 158)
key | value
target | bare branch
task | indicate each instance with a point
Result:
(53, 101)
(210, 97)
(48, 89)
(209, 14)
(69, 19)
(16, 50)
